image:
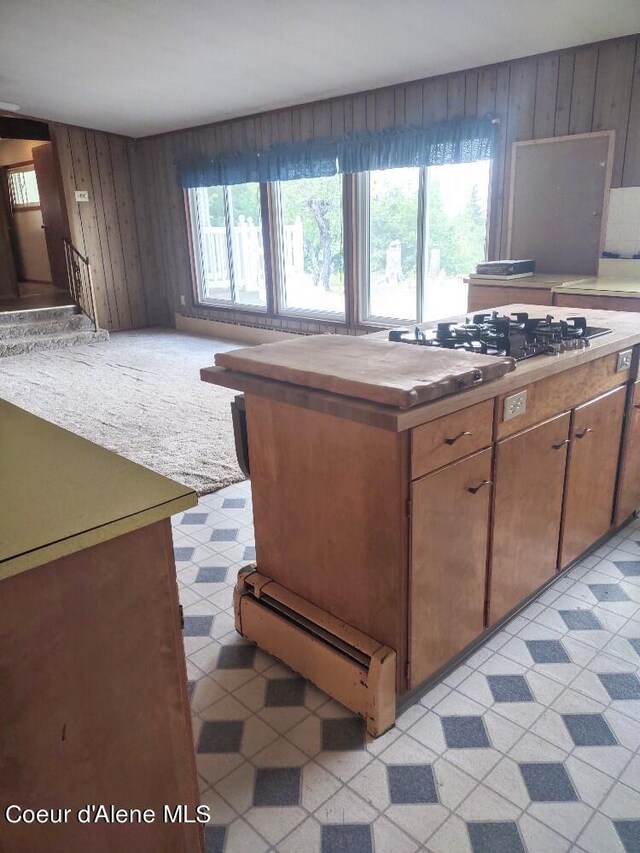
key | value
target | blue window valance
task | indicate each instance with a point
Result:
(454, 141)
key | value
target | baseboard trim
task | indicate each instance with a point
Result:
(229, 331)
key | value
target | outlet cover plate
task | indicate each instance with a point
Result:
(514, 405)
(624, 360)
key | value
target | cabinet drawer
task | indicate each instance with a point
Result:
(451, 437)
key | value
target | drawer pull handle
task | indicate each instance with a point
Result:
(584, 432)
(473, 489)
(636, 406)
(451, 441)
(562, 444)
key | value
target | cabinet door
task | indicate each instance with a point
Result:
(449, 533)
(592, 471)
(529, 482)
(629, 494)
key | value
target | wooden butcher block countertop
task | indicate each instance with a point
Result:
(375, 370)
(625, 332)
(60, 493)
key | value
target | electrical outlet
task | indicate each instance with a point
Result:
(514, 405)
(624, 360)
(82, 195)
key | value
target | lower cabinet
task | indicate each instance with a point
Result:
(592, 472)
(529, 483)
(449, 536)
(629, 494)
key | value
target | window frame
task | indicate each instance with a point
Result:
(25, 166)
(197, 262)
(356, 256)
(281, 309)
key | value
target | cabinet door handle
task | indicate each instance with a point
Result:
(584, 432)
(473, 489)
(453, 440)
(636, 405)
(562, 444)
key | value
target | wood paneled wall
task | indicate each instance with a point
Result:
(105, 228)
(595, 87)
(134, 229)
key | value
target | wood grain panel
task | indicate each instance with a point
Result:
(106, 228)
(434, 100)
(565, 390)
(629, 489)
(600, 302)
(612, 100)
(456, 86)
(631, 168)
(522, 98)
(356, 571)
(593, 461)
(544, 116)
(413, 103)
(111, 688)
(583, 87)
(563, 93)
(481, 297)
(529, 482)
(446, 439)
(449, 532)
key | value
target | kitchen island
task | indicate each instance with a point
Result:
(93, 692)
(423, 528)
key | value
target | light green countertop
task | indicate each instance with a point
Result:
(60, 493)
(604, 285)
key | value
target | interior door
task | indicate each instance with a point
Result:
(449, 532)
(558, 198)
(591, 475)
(8, 274)
(54, 216)
(529, 482)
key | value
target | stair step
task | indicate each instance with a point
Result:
(33, 314)
(49, 326)
(42, 342)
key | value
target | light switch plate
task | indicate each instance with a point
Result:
(624, 360)
(514, 405)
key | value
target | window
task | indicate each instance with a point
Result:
(426, 231)
(23, 187)
(228, 241)
(310, 245)
(413, 235)
(393, 243)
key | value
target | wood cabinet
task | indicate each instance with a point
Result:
(437, 443)
(592, 470)
(629, 492)
(529, 482)
(449, 533)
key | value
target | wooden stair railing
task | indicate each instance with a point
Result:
(80, 282)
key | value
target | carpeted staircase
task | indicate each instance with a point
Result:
(46, 328)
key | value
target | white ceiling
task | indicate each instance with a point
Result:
(140, 67)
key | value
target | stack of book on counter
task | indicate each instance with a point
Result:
(505, 270)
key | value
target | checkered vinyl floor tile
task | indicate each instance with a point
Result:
(532, 744)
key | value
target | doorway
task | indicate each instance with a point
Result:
(33, 223)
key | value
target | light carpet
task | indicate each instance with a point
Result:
(139, 394)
